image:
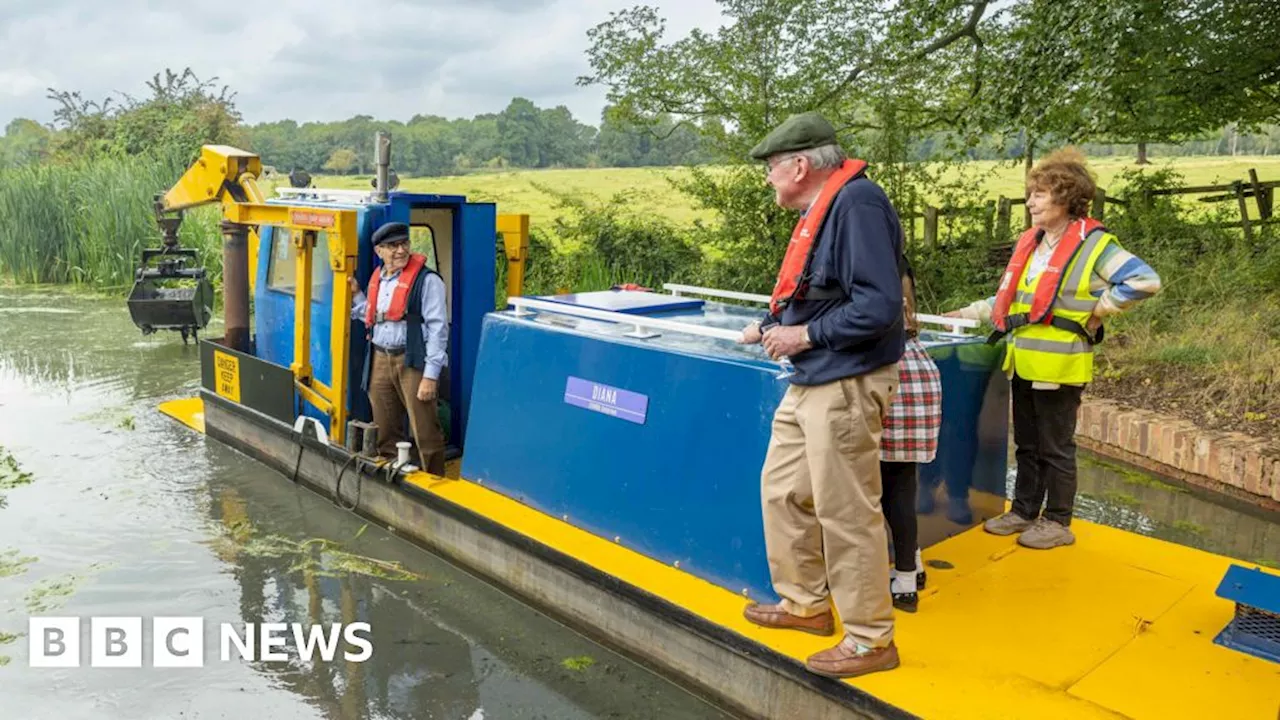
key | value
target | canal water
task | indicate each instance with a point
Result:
(111, 509)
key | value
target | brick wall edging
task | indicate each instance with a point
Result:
(1240, 465)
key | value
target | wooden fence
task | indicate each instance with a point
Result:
(997, 215)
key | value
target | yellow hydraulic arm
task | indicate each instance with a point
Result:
(229, 176)
(221, 174)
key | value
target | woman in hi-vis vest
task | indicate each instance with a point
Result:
(1066, 276)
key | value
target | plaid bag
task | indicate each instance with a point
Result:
(915, 416)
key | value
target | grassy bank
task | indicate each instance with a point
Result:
(1219, 367)
(1209, 351)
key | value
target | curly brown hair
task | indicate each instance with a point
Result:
(1067, 179)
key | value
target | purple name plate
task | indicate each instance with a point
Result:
(611, 401)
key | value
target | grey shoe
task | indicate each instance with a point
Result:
(1046, 534)
(1006, 524)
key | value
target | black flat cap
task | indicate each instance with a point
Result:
(391, 232)
(798, 132)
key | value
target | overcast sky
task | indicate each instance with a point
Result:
(318, 59)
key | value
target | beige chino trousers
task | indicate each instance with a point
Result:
(820, 487)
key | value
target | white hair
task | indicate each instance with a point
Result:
(824, 156)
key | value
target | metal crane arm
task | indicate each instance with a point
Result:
(229, 176)
(221, 174)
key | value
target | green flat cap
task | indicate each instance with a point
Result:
(798, 132)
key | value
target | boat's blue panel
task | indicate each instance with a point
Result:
(475, 272)
(974, 439)
(660, 443)
(1255, 629)
(618, 478)
(1252, 587)
(407, 199)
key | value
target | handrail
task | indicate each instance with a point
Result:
(676, 288)
(362, 197)
(642, 325)
(954, 323)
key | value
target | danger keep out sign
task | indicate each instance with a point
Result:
(226, 375)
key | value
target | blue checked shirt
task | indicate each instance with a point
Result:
(435, 324)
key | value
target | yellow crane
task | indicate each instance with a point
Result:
(228, 176)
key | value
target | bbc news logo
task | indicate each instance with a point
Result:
(179, 642)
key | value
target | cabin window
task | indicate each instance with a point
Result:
(281, 275)
(423, 240)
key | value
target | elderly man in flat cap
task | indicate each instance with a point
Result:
(836, 312)
(408, 330)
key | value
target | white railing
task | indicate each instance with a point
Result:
(953, 324)
(676, 289)
(344, 195)
(642, 326)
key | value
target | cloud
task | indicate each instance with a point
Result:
(318, 60)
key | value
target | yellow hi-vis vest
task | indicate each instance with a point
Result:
(1044, 353)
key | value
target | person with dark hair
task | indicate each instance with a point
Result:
(1067, 274)
(910, 439)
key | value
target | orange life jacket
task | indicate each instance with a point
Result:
(400, 297)
(792, 282)
(1050, 282)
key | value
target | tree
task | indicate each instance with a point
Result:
(764, 65)
(661, 143)
(619, 143)
(1139, 94)
(565, 141)
(24, 142)
(1233, 64)
(342, 161)
(182, 113)
(520, 131)
(1131, 71)
(881, 72)
(1029, 90)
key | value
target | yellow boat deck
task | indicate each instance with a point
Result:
(1116, 626)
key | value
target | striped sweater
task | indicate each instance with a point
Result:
(1120, 281)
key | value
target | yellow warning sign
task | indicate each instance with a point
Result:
(226, 375)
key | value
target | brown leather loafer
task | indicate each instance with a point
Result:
(773, 616)
(843, 660)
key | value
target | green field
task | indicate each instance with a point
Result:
(652, 192)
(650, 189)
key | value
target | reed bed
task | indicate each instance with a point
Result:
(87, 223)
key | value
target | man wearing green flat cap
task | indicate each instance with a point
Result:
(836, 313)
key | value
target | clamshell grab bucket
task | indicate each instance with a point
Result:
(171, 295)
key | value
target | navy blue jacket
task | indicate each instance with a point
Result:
(856, 252)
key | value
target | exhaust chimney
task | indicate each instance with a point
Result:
(382, 162)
